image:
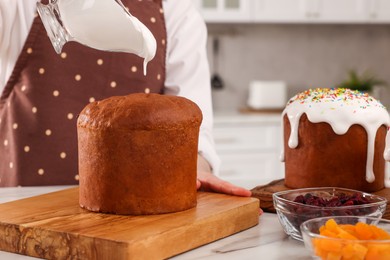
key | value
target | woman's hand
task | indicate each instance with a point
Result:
(209, 182)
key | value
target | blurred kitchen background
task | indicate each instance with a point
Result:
(301, 43)
(305, 43)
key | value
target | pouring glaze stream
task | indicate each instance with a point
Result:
(100, 24)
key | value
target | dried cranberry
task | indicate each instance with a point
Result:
(300, 199)
(336, 201)
(299, 214)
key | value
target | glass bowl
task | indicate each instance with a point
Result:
(326, 247)
(292, 214)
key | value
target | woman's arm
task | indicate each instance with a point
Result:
(16, 17)
(187, 69)
(209, 182)
(188, 75)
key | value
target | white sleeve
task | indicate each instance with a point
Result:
(16, 17)
(187, 68)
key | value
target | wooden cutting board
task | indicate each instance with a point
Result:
(264, 194)
(53, 226)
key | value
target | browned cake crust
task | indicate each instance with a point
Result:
(138, 154)
(324, 158)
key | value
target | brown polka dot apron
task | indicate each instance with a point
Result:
(46, 91)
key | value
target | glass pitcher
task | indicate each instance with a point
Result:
(100, 24)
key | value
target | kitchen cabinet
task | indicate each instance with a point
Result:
(285, 10)
(379, 11)
(311, 11)
(295, 11)
(249, 146)
(226, 11)
(341, 11)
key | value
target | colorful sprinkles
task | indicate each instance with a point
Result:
(340, 96)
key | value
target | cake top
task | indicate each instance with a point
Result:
(336, 98)
(340, 107)
(141, 111)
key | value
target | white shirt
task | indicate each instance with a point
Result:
(187, 70)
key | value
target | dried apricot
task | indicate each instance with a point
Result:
(351, 242)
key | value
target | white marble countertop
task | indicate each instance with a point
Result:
(264, 241)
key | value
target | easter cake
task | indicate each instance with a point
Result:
(336, 138)
(138, 154)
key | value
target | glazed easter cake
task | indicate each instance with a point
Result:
(335, 137)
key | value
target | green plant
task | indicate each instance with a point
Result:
(364, 82)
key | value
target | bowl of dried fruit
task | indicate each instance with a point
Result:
(347, 237)
(299, 205)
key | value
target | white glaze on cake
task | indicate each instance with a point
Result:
(340, 108)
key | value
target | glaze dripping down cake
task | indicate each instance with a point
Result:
(335, 137)
(138, 154)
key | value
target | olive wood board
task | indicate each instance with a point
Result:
(53, 226)
(264, 194)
